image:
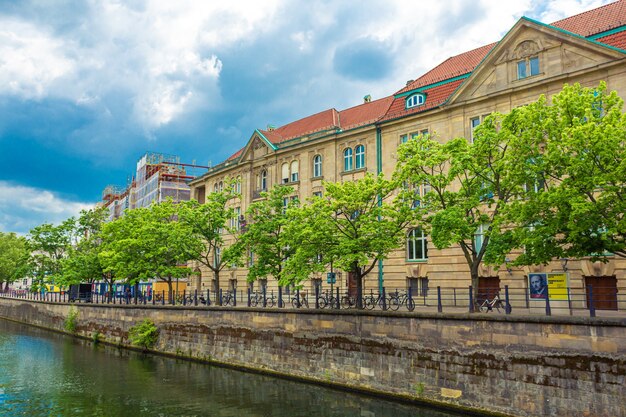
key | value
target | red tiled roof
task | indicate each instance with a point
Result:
(434, 97)
(364, 114)
(595, 21)
(328, 119)
(585, 24)
(236, 154)
(617, 40)
(452, 67)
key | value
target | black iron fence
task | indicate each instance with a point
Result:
(590, 300)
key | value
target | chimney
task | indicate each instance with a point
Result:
(409, 82)
(367, 99)
(270, 128)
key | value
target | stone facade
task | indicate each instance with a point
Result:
(512, 366)
(461, 90)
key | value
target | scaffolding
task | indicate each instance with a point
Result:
(157, 177)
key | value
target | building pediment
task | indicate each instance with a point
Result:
(529, 53)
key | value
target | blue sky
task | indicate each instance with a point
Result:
(86, 87)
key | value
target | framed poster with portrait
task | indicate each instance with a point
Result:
(538, 286)
(544, 285)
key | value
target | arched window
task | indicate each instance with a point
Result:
(284, 170)
(238, 185)
(417, 245)
(347, 159)
(317, 166)
(215, 188)
(263, 180)
(415, 100)
(295, 165)
(221, 187)
(360, 156)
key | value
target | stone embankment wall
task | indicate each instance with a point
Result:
(517, 366)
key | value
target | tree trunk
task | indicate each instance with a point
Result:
(359, 285)
(216, 286)
(170, 289)
(475, 279)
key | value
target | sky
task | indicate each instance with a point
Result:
(87, 87)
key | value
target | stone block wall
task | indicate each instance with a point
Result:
(517, 366)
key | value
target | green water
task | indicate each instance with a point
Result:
(47, 374)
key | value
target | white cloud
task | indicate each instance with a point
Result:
(560, 9)
(30, 60)
(22, 208)
(157, 53)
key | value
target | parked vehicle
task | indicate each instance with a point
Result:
(80, 292)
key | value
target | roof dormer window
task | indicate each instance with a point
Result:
(415, 100)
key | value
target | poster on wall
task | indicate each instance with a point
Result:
(544, 285)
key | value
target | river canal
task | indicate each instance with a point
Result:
(47, 374)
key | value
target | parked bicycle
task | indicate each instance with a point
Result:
(488, 305)
(299, 301)
(228, 298)
(327, 299)
(256, 299)
(348, 301)
(400, 298)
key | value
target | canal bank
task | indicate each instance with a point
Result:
(517, 366)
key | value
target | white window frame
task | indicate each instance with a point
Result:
(359, 157)
(417, 239)
(348, 163)
(317, 166)
(415, 100)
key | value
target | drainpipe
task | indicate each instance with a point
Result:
(379, 169)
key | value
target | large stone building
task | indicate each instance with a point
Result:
(533, 58)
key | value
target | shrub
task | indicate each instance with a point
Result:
(70, 320)
(144, 334)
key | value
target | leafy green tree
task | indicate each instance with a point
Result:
(210, 222)
(14, 256)
(82, 261)
(149, 243)
(469, 185)
(48, 245)
(577, 145)
(265, 234)
(355, 225)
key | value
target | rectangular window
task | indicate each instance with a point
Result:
(417, 245)
(294, 176)
(419, 286)
(474, 122)
(521, 69)
(317, 194)
(534, 65)
(413, 135)
(479, 237)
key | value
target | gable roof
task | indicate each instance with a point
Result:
(595, 21)
(452, 67)
(446, 77)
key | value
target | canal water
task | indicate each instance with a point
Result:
(47, 374)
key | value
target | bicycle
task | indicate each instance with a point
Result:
(348, 301)
(228, 298)
(299, 302)
(488, 305)
(327, 300)
(256, 299)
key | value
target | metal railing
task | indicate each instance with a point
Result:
(585, 301)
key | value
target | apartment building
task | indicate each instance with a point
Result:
(450, 100)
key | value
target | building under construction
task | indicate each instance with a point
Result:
(157, 177)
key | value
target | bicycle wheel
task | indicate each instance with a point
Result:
(410, 304)
(321, 301)
(369, 302)
(254, 301)
(393, 304)
(269, 301)
(294, 303)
